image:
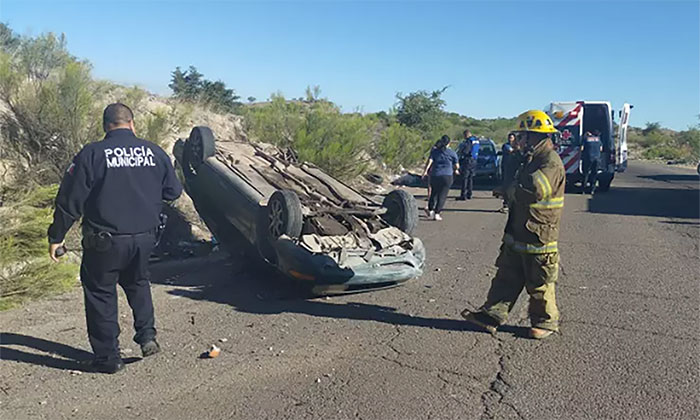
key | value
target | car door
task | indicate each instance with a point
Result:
(621, 146)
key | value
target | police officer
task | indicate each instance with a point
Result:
(118, 186)
(590, 155)
(468, 152)
(529, 256)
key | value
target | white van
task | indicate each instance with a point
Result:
(573, 119)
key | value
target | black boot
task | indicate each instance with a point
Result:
(150, 348)
(107, 366)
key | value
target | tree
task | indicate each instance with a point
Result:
(421, 110)
(251, 99)
(186, 85)
(178, 83)
(190, 85)
(313, 94)
(651, 127)
(218, 97)
(9, 42)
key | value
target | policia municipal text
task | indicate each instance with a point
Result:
(529, 256)
(118, 186)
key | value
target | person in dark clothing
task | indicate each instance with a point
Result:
(590, 155)
(441, 167)
(468, 152)
(509, 165)
(117, 186)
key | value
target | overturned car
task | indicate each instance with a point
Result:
(297, 218)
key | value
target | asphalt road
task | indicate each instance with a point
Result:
(628, 347)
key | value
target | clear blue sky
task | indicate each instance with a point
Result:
(499, 58)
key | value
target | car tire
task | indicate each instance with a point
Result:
(199, 146)
(284, 216)
(401, 210)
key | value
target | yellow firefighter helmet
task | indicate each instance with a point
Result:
(536, 121)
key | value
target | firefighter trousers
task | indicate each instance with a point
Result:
(537, 273)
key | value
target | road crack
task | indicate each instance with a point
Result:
(498, 388)
(390, 342)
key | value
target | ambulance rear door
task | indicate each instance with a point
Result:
(568, 119)
(621, 146)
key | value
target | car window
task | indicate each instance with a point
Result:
(486, 149)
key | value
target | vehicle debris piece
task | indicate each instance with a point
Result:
(212, 353)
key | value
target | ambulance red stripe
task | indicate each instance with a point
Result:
(572, 161)
(573, 114)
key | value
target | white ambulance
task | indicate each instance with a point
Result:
(573, 119)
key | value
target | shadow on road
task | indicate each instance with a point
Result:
(73, 358)
(672, 177)
(656, 202)
(261, 291)
(678, 222)
(449, 210)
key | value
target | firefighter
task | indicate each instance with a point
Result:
(529, 257)
(118, 186)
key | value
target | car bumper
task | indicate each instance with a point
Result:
(487, 171)
(324, 275)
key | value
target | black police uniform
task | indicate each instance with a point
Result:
(118, 185)
(591, 161)
(467, 166)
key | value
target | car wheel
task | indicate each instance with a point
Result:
(200, 146)
(401, 210)
(284, 215)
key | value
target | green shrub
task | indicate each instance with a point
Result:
(664, 151)
(335, 142)
(52, 108)
(657, 143)
(690, 139)
(400, 147)
(134, 98)
(38, 277)
(276, 122)
(338, 143)
(25, 269)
